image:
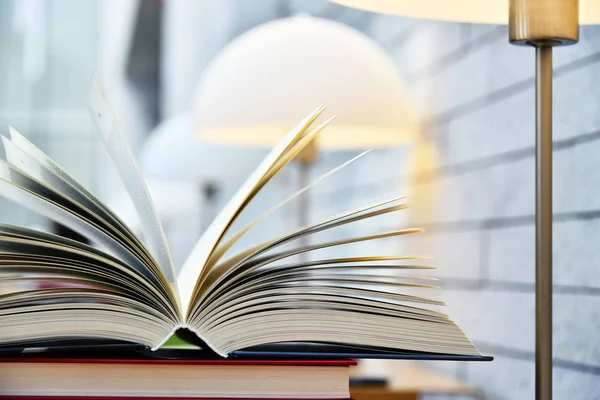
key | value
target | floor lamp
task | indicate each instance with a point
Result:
(541, 24)
(265, 80)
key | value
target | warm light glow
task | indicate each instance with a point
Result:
(265, 81)
(474, 11)
(425, 195)
(336, 136)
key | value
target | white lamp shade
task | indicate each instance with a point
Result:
(475, 11)
(268, 79)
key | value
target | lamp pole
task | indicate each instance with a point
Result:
(543, 223)
(543, 24)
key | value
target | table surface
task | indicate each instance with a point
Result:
(405, 380)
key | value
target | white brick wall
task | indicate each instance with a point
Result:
(484, 104)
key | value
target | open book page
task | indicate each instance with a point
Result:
(316, 300)
(24, 190)
(192, 272)
(87, 263)
(218, 270)
(30, 159)
(251, 259)
(226, 246)
(295, 148)
(33, 178)
(39, 166)
(116, 143)
(63, 288)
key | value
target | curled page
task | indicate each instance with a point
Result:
(46, 170)
(193, 267)
(117, 146)
(16, 186)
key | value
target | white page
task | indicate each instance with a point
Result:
(192, 268)
(21, 141)
(28, 164)
(224, 247)
(27, 199)
(51, 174)
(118, 148)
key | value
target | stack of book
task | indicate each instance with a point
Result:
(122, 289)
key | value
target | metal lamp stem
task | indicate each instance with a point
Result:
(543, 223)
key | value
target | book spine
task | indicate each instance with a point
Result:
(195, 332)
(208, 344)
(171, 333)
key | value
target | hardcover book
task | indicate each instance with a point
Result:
(124, 288)
(101, 378)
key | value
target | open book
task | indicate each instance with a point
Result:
(127, 290)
